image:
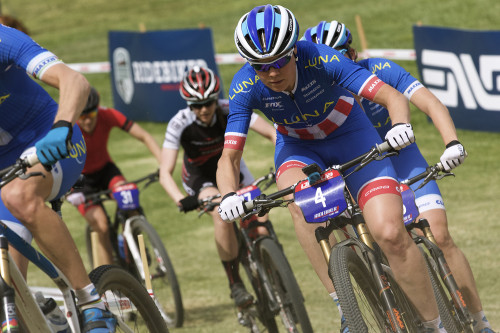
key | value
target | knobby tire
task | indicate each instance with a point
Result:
(117, 287)
(445, 306)
(285, 287)
(356, 292)
(164, 280)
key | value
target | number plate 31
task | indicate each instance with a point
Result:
(127, 196)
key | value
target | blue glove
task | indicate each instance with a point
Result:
(56, 144)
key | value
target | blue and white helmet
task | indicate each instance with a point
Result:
(266, 31)
(333, 34)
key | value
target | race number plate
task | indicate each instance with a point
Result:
(410, 210)
(127, 196)
(322, 200)
(249, 193)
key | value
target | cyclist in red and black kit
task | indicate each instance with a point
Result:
(100, 171)
(199, 129)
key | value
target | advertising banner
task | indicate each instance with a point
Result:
(462, 68)
(147, 67)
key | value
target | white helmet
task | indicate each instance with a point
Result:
(266, 31)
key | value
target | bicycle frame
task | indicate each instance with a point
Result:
(27, 307)
(361, 239)
(121, 217)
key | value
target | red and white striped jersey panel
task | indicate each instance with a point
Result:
(320, 131)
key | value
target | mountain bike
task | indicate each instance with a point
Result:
(130, 222)
(124, 296)
(370, 298)
(452, 307)
(276, 290)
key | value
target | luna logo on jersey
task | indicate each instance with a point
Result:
(79, 151)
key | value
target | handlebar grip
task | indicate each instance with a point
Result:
(248, 206)
(439, 166)
(32, 159)
(383, 147)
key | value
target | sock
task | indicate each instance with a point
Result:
(232, 269)
(89, 298)
(337, 302)
(480, 321)
(434, 326)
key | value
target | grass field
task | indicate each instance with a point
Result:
(77, 32)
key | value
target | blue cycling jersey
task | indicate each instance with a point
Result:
(395, 76)
(316, 107)
(26, 109)
(319, 121)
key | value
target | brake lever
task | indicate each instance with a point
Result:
(389, 154)
(445, 174)
(25, 176)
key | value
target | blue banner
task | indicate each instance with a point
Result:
(462, 68)
(147, 67)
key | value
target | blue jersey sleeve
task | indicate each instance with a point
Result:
(392, 74)
(241, 105)
(395, 76)
(17, 48)
(26, 109)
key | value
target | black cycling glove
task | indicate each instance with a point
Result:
(189, 203)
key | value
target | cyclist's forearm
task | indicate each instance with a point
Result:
(228, 171)
(142, 135)
(170, 186)
(395, 102)
(438, 112)
(167, 167)
(153, 147)
(73, 91)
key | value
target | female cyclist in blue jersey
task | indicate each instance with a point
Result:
(33, 122)
(307, 90)
(410, 161)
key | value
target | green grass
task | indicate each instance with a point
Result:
(77, 32)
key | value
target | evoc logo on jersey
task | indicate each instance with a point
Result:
(456, 76)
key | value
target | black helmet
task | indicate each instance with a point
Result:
(92, 102)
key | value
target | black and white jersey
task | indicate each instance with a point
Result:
(201, 143)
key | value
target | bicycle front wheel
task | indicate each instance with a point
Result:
(447, 312)
(128, 300)
(164, 281)
(357, 292)
(284, 286)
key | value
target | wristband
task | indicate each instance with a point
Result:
(228, 195)
(453, 143)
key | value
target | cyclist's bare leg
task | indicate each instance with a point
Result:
(25, 199)
(98, 221)
(305, 231)
(225, 237)
(455, 258)
(383, 215)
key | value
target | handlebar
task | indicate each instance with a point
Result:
(207, 204)
(18, 169)
(103, 195)
(264, 203)
(431, 173)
